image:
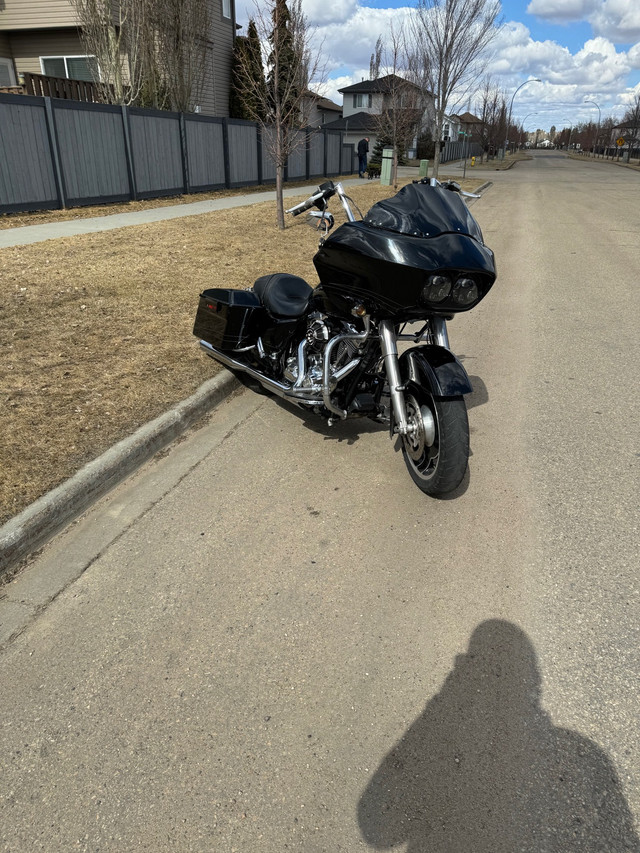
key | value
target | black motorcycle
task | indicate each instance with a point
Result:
(398, 274)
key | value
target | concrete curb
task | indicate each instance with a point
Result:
(47, 516)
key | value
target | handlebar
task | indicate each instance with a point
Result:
(320, 198)
(447, 185)
(325, 191)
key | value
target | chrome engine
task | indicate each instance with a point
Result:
(306, 368)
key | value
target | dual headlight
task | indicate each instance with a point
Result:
(462, 291)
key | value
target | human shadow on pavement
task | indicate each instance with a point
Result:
(484, 770)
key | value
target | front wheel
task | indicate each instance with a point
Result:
(436, 448)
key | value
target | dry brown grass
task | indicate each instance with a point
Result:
(96, 331)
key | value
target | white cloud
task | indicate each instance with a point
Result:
(353, 41)
(330, 89)
(563, 11)
(618, 20)
(634, 56)
(323, 12)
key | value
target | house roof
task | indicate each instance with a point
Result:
(363, 122)
(469, 118)
(382, 84)
(326, 104)
(321, 102)
(356, 122)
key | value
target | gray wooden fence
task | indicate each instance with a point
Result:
(60, 153)
(458, 150)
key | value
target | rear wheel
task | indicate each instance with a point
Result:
(436, 448)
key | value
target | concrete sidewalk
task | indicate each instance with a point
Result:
(28, 234)
(72, 227)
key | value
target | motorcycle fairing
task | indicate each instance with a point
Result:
(391, 268)
(435, 368)
(424, 211)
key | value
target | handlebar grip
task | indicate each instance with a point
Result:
(325, 191)
(305, 205)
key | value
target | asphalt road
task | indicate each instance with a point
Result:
(280, 644)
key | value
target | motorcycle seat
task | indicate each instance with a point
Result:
(283, 295)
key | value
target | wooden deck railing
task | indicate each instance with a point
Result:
(59, 87)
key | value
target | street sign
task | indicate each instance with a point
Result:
(620, 141)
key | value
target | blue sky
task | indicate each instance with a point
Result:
(580, 49)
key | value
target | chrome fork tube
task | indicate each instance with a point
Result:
(439, 331)
(389, 349)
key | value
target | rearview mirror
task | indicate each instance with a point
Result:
(321, 220)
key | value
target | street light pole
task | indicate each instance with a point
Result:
(533, 80)
(525, 118)
(588, 101)
(465, 150)
(570, 132)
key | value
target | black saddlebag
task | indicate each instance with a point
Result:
(227, 319)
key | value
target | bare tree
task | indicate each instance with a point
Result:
(631, 122)
(113, 33)
(182, 28)
(403, 101)
(291, 62)
(492, 109)
(449, 38)
(147, 52)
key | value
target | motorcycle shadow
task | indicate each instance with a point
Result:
(479, 396)
(348, 430)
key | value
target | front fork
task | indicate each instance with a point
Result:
(389, 347)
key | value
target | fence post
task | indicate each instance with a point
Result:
(55, 152)
(259, 151)
(184, 153)
(225, 149)
(133, 189)
(324, 153)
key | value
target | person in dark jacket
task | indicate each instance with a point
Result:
(363, 148)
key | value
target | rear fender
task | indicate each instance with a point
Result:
(436, 369)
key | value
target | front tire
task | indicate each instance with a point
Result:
(436, 450)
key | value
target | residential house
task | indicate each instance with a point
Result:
(319, 111)
(41, 37)
(629, 133)
(471, 125)
(452, 128)
(365, 102)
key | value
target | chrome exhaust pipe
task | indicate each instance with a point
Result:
(287, 392)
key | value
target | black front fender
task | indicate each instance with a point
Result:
(435, 368)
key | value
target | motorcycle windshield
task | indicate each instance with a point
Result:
(421, 210)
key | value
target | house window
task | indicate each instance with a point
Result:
(7, 74)
(362, 100)
(226, 8)
(73, 67)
